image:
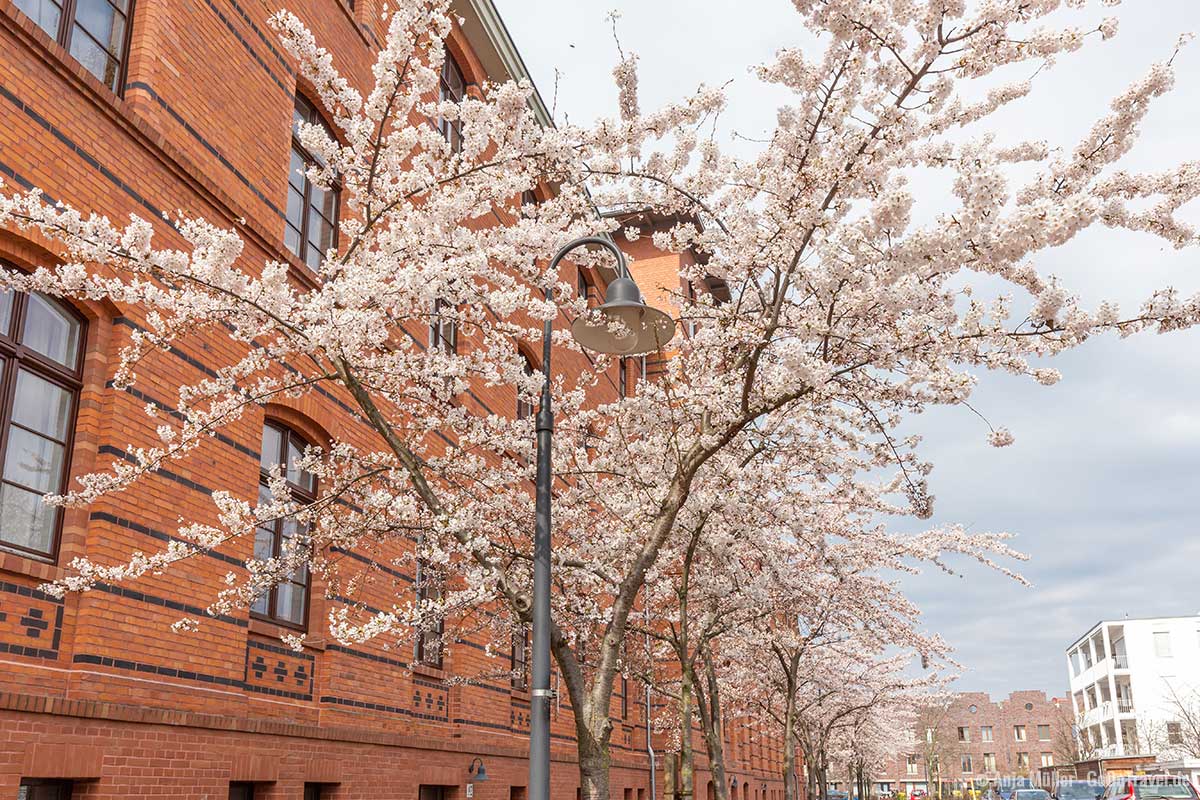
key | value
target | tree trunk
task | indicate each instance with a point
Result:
(594, 763)
(687, 755)
(714, 734)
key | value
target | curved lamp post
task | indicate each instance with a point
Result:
(627, 326)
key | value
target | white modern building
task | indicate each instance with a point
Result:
(1131, 681)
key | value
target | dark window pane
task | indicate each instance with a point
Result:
(289, 605)
(25, 520)
(272, 446)
(320, 231)
(94, 58)
(6, 308)
(264, 543)
(51, 331)
(45, 13)
(296, 171)
(313, 258)
(33, 461)
(324, 201)
(42, 406)
(103, 22)
(291, 238)
(295, 207)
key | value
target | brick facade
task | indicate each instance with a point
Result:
(97, 688)
(940, 733)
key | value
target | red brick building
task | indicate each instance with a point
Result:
(145, 106)
(971, 740)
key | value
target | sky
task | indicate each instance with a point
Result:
(1101, 486)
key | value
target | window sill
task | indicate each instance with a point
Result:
(29, 566)
(274, 630)
(426, 671)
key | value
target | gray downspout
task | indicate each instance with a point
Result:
(649, 744)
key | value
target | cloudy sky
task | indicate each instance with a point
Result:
(1102, 484)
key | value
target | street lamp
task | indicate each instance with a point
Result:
(627, 326)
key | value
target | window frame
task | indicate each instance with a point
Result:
(445, 93)
(527, 408)
(439, 339)
(301, 105)
(15, 355)
(421, 656)
(299, 494)
(519, 666)
(66, 31)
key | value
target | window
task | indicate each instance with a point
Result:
(964, 734)
(989, 762)
(95, 32)
(1162, 644)
(1019, 732)
(911, 766)
(452, 90)
(443, 330)
(310, 229)
(519, 659)
(241, 791)
(985, 733)
(1174, 733)
(690, 323)
(526, 407)
(624, 697)
(929, 735)
(1047, 759)
(966, 764)
(35, 789)
(314, 791)
(1075, 662)
(429, 640)
(1022, 759)
(1043, 733)
(584, 288)
(627, 364)
(286, 603)
(41, 344)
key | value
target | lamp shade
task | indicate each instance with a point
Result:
(627, 326)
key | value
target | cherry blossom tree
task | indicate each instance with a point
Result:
(844, 317)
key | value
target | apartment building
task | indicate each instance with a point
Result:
(146, 106)
(1132, 683)
(971, 739)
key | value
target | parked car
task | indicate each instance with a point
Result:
(1078, 790)
(1006, 788)
(837, 794)
(1030, 794)
(1151, 787)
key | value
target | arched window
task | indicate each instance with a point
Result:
(41, 351)
(312, 212)
(286, 603)
(452, 89)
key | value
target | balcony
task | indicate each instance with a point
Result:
(1124, 706)
(1121, 661)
